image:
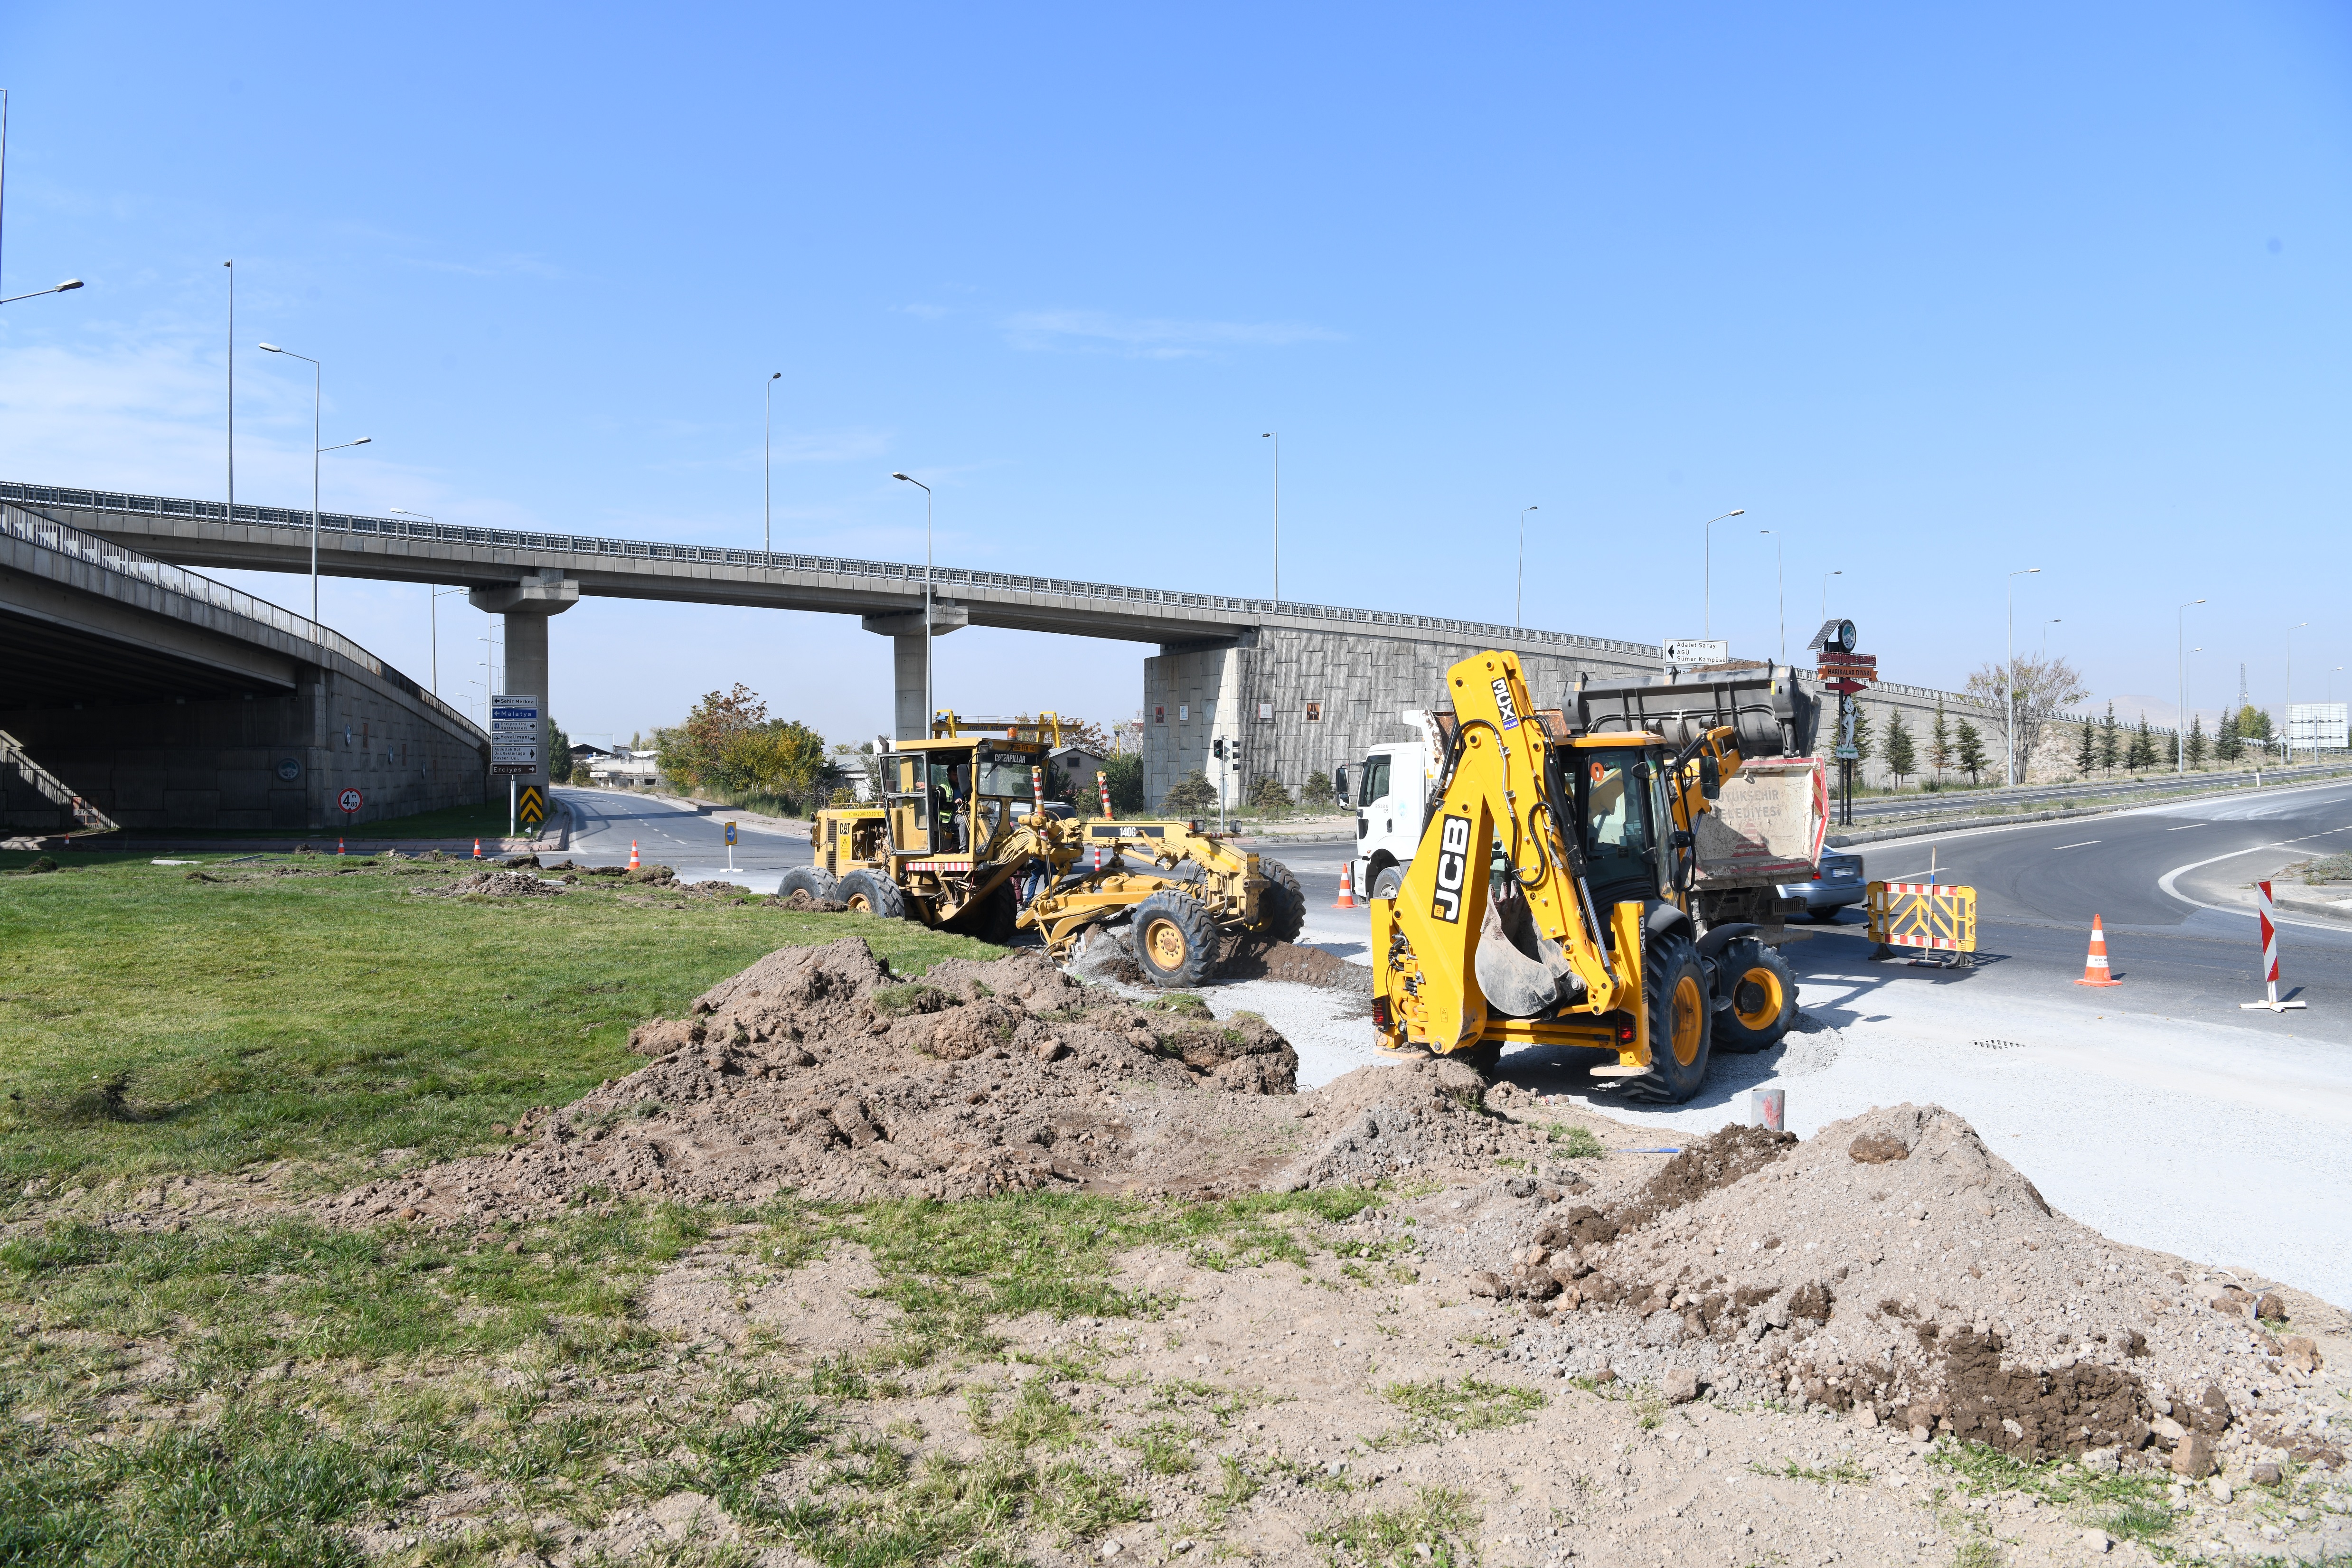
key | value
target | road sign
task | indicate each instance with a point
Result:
(1845, 688)
(531, 809)
(1684, 652)
(514, 734)
(1848, 753)
(348, 802)
(1861, 663)
(730, 832)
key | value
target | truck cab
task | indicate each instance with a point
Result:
(1391, 789)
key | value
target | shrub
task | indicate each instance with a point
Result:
(1194, 794)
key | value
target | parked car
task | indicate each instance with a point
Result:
(1838, 883)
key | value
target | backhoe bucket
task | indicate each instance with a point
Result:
(1772, 715)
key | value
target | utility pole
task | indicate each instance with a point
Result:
(2009, 679)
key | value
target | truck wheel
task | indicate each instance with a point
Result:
(813, 879)
(1387, 882)
(867, 894)
(1283, 906)
(1763, 992)
(1673, 987)
(991, 918)
(1175, 940)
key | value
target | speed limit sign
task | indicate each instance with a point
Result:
(349, 801)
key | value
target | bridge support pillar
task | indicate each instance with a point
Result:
(525, 609)
(909, 721)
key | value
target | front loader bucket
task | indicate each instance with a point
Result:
(1772, 715)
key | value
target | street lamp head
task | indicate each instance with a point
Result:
(69, 285)
(1736, 512)
(777, 377)
(363, 441)
(902, 476)
(269, 349)
(2195, 601)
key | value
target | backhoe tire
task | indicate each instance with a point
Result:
(1763, 992)
(991, 918)
(813, 879)
(1282, 907)
(1673, 987)
(868, 894)
(1175, 940)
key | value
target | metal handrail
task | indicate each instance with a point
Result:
(47, 784)
(785, 560)
(66, 539)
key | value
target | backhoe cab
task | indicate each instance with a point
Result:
(1553, 898)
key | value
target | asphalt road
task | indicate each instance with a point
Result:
(2154, 785)
(691, 845)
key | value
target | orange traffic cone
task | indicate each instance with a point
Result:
(633, 855)
(1347, 886)
(478, 849)
(339, 846)
(2095, 967)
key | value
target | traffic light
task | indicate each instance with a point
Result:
(1218, 747)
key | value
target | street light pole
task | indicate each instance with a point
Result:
(1706, 610)
(1825, 591)
(768, 475)
(317, 373)
(1780, 577)
(2009, 679)
(231, 265)
(433, 598)
(926, 598)
(2180, 730)
(2289, 715)
(1275, 437)
(1518, 593)
(2053, 621)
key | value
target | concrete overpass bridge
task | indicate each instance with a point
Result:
(1292, 687)
(165, 699)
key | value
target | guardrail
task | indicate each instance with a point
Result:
(783, 560)
(47, 533)
(50, 787)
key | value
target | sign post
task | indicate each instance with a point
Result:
(2270, 959)
(1844, 671)
(349, 802)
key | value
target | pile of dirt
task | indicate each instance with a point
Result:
(1895, 1267)
(493, 885)
(1298, 964)
(802, 900)
(815, 1069)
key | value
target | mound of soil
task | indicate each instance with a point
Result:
(802, 899)
(493, 884)
(1895, 1267)
(1301, 965)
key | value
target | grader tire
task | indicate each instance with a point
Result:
(1673, 987)
(1283, 906)
(991, 918)
(1175, 940)
(813, 879)
(867, 894)
(1763, 992)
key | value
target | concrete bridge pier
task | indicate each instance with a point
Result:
(908, 720)
(525, 609)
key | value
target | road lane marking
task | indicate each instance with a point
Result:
(2085, 844)
(2164, 885)
(2186, 826)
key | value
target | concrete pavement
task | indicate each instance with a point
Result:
(691, 845)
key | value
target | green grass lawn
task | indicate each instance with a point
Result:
(151, 1024)
(487, 821)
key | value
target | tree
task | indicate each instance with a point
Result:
(2254, 724)
(1900, 759)
(1267, 794)
(2110, 742)
(2040, 687)
(1939, 743)
(729, 743)
(1125, 772)
(2141, 752)
(1971, 751)
(2086, 754)
(2227, 744)
(1192, 794)
(1316, 791)
(559, 753)
(2197, 741)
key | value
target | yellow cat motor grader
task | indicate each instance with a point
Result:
(960, 832)
(1551, 899)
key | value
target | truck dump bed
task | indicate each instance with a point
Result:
(1768, 825)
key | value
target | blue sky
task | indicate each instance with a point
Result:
(1939, 292)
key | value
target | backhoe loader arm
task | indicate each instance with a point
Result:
(1500, 786)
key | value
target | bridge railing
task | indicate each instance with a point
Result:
(66, 539)
(946, 577)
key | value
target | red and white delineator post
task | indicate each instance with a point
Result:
(2270, 959)
(1102, 784)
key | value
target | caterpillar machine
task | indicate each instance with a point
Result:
(1555, 897)
(963, 841)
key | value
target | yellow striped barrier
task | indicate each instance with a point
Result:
(1933, 917)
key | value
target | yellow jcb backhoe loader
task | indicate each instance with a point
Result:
(1551, 899)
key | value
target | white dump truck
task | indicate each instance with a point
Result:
(1757, 848)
